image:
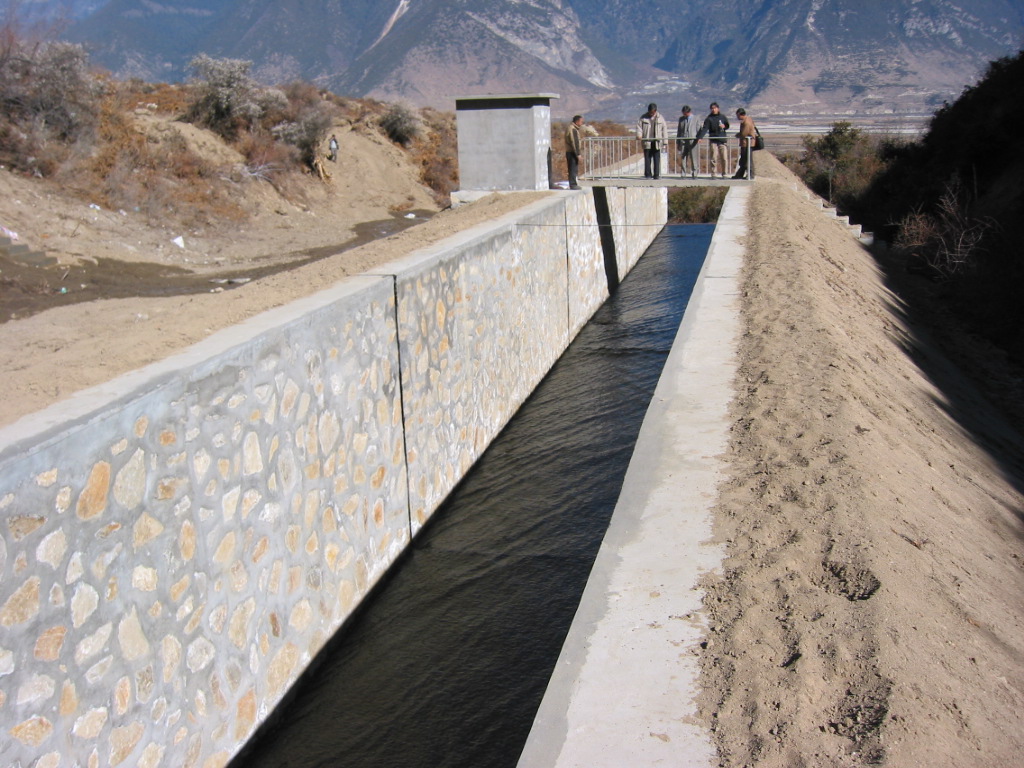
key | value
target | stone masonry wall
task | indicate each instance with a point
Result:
(176, 546)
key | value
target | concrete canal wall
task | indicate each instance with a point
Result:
(177, 545)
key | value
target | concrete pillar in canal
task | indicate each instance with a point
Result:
(504, 142)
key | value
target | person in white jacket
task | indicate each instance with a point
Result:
(652, 129)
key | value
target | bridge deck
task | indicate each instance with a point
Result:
(664, 181)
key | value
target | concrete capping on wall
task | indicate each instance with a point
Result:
(179, 543)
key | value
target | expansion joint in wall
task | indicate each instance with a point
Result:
(401, 407)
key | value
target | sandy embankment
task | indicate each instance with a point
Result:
(48, 356)
(871, 610)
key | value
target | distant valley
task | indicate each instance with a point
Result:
(608, 58)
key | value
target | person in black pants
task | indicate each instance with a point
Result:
(746, 136)
(573, 150)
(652, 129)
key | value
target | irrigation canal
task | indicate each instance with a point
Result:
(446, 663)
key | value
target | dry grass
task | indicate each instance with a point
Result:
(61, 120)
(162, 181)
(436, 151)
(162, 98)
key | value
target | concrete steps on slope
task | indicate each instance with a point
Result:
(23, 254)
(867, 238)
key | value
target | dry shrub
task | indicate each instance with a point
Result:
(302, 95)
(353, 110)
(161, 181)
(266, 158)
(48, 101)
(436, 152)
(306, 132)
(160, 98)
(945, 243)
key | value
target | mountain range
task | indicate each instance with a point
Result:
(605, 57)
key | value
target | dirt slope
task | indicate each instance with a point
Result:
(123, 294)
(371, 179)
(872, 606)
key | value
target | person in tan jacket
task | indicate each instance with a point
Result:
(746, 136)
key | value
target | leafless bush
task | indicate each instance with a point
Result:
(225, 98)
(48, 99)
(400, 124)
(261, 171)
(272, 157)
(949, 240)
(307, 133)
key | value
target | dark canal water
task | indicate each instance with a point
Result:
(447, 662)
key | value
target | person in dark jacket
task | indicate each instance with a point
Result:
(573, 150)
(715, 125)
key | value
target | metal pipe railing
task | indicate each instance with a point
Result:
(622, 157)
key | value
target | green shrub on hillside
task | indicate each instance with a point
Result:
(226, 99)
(840, 165)
(400, 124)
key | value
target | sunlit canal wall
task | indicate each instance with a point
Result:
(178, 544)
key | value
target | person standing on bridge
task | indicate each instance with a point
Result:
(686, 136)
(715, 126)
(746, 136)
(652, 129)
(574, 150)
